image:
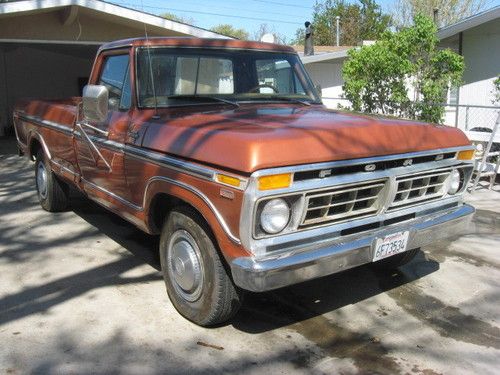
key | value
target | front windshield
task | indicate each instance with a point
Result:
(178, 76)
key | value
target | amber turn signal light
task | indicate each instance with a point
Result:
(275, 181)
(465, 155)
(228, 180)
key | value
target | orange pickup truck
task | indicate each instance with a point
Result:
(224, 148)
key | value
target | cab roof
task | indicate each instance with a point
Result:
(197, 42)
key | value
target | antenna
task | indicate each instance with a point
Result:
(148, 48)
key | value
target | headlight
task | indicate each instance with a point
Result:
(454, 182)
(275, 216)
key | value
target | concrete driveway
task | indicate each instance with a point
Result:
(81, 293)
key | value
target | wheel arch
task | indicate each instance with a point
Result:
(164, 194)
(35, 144)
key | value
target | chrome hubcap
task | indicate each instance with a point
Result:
(41, 180)
(184, 265)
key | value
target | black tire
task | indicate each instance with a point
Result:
(395, 261)
(52, 193)
(197, 282)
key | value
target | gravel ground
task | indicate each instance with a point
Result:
(81, 293)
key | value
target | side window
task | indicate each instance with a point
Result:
(115, 77)
(277, 77)
(126, 99)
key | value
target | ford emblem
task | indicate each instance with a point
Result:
(408, 162)
(370, 167)
(325, 173)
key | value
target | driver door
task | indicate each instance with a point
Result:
(100, 145)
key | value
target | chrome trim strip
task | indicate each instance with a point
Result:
(252, 196)
(100, 131)
(170, 162)
(111, 194)
(38, 137)
(195, 191)
(103, 47)
(203, 197)
(181, 166)
(66, 169)
(93, 147)
(221, 48)
(15, 117)
(407, 201)
(145, 155)
(112, 145)
(163, 160)
(46, 123)
(326, 256)
(351, 162)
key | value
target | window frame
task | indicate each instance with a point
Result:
(103, 58)
(301, 73)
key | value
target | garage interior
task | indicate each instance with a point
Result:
(47, 47)
(36, 70)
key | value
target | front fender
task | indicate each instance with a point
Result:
(228, 242)
(33, 137)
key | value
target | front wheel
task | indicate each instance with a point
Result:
(197, 282)
(52, 193)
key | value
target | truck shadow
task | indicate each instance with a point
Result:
(141, 245)
(283, 307)
(263, 312)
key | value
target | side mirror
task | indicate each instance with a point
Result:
(95, 103)
(318, 89)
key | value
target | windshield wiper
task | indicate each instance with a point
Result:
(287, 98)
(201, 98)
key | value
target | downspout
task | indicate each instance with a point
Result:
(460, 52)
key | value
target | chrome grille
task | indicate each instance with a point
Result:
(420, 188)
(343, 203)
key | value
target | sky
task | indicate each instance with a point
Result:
(283, 16)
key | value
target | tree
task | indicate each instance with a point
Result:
(449, 11)
(358, 22)
(177, 18)
(230, 30)
(380, 78)
(496, 91)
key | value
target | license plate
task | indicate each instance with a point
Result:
(389, 245)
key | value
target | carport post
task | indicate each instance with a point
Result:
(4, 121)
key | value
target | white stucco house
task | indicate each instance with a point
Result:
(477, 38)
(325, 69)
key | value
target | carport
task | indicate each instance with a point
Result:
(47, 47)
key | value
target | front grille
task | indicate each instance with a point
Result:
(376, 166)
(343, 203)
(419, 188)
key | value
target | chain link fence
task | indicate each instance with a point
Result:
(465, 117)
(470, 117)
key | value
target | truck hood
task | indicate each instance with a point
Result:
(254, 137)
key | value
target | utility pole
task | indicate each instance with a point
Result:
(338, 30)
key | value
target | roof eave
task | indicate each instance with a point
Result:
(110, 9)
(324, 57)
(469, 23)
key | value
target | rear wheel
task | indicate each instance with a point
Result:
(52, 193)
(396, 261)
(197, 282)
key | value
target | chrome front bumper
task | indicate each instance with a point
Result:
(338, 254)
